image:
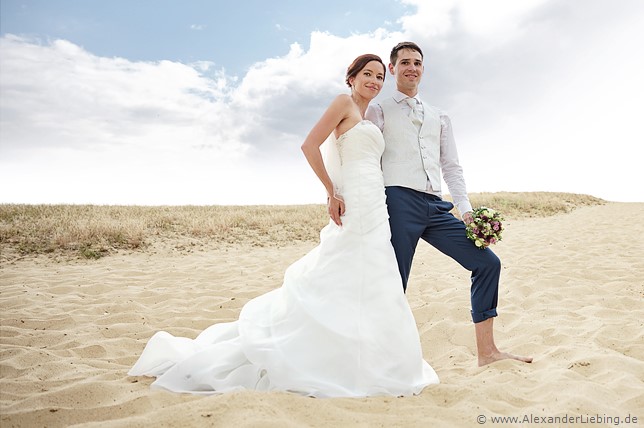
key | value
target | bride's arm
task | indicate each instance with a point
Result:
(332, 117)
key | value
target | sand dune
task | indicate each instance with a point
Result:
(572, 296)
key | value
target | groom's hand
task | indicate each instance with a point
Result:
(335, 206)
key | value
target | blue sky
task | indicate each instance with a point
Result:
(232, 34)
(207, 102)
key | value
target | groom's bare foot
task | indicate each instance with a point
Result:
(486, 348)
(498, 356)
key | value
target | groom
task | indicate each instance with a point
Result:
(419, 146)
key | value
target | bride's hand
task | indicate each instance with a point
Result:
(335, 206)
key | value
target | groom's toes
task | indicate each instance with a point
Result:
(523, 359)
(483, 361)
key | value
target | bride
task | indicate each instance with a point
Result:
(340, 325)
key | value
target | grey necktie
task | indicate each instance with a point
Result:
(415, 114)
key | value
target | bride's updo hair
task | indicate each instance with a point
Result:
(359, 63)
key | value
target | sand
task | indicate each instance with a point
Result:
(571, 296)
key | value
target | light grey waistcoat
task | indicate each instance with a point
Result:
(411, 156)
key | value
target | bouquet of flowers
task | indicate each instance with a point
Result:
(485, 228)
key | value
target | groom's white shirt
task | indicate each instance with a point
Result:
(405, 145)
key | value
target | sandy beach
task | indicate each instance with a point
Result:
(572, 296)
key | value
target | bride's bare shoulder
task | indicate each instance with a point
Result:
(342, 100)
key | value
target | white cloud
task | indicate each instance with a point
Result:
(70, 117)
(439, 19)
(62, 95)
(541, 95)
(283, 97)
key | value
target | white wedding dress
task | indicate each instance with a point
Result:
(340, 325)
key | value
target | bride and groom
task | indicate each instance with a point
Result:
(340, 325)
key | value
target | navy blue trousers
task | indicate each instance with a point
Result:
(414, 215)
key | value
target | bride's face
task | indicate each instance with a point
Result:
(368, 82)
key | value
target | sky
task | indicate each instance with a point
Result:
(195, 102)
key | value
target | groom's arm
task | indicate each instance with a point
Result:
(374, 115)
(452, 170)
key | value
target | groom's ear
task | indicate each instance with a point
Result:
(391, 69)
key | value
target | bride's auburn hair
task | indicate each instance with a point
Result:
(359, 63)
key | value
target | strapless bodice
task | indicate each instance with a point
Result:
(362, 188)
(362, 143)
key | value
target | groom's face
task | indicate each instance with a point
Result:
(408, 70)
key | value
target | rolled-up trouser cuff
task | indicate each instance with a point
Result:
(482, 316)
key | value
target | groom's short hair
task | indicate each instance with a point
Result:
(393, 57)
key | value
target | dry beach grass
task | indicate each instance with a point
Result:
(82, 288)
(93, 231)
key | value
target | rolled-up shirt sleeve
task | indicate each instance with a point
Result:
(451, 168)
